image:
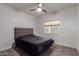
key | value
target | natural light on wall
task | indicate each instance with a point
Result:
(52, 26)
(51, 23)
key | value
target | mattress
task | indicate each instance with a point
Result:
(33, 44)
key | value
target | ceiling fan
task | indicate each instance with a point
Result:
(39, 8)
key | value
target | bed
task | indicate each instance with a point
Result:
(30, 43)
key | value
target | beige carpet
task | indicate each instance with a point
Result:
(55, 50)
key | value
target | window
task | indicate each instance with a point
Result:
(52, 26)
(47, 29)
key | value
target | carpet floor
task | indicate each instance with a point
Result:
(54, 50)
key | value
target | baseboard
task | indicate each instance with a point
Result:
(65, 45)
(4, 49)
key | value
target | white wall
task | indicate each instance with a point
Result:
(9, 19)
(68, 30)
(78, 27)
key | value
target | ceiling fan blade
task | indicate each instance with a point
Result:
(44, 10)
(32, 9)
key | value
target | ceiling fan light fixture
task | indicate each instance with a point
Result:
(40, 5)
(39, 9)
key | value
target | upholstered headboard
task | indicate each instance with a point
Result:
(22, 31)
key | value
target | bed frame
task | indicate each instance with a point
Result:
(22, 31)
(29, 47)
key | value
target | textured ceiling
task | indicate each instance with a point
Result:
(50, 7)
